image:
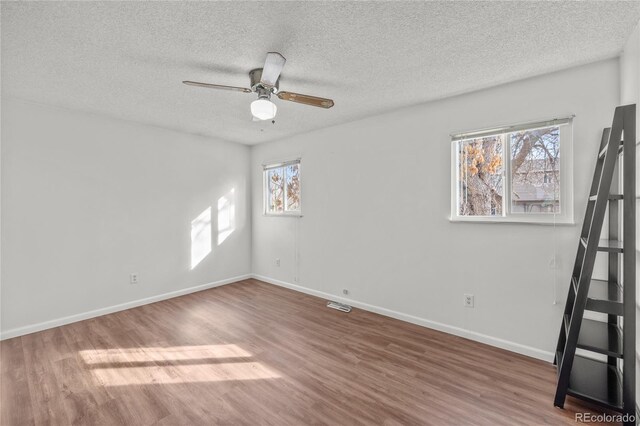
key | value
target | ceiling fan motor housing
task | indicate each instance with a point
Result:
(256, 85)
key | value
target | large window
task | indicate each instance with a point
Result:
(514, 174)
(282, 188)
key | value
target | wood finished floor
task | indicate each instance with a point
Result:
(252, 353)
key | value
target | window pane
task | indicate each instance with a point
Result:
(480, 171)
(275, 197)
(535, 171)
(292, 173)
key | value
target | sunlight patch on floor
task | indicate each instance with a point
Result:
(172, 353)
(124, 376)
(176, 364)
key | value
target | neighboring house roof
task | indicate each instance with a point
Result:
(529, 192)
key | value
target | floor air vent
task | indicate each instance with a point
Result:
(339, 306)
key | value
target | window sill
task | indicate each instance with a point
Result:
(512, 220)
(282, 214)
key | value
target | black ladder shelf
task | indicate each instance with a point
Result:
(603, 373)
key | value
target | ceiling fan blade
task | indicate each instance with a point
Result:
(272, 68)
(306, 99)
(217, 86)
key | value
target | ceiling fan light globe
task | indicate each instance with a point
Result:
(263, 109)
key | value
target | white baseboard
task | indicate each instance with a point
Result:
(472, 335)
(468, 334)
(21, 331)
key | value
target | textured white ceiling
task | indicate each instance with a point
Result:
(127, 60)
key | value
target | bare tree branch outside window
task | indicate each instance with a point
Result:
(534, 160)
(283, 188)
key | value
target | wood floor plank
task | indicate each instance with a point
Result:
(15, 402)
(251, 353)
(46, 393)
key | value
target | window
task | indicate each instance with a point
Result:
(514, 174)
(282, 188)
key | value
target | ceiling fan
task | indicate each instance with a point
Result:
(265, 82)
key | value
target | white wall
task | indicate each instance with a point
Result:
(629, 94)
(376, 201)
(87, 200)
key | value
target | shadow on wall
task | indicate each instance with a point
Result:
(202, 230)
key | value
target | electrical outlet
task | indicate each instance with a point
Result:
(345, 291)
(468, 300)
(133, 278)
(277, 262)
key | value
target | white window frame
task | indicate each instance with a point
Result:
(565, 217)
(265, 188)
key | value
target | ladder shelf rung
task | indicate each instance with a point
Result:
(605, 297)
(596, 382)
(612, 197)
(599, 337)
(610, 246)
(604, 150)
(613, 246)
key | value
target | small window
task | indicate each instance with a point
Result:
(282, 188)
(514, 174)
